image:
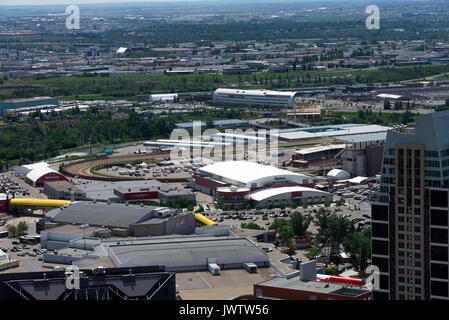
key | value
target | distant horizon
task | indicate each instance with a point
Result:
(86, 2)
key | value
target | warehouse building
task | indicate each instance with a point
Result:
(305, 157)
(192, 253)
(37, 177)
(223, 123)
(287, 195)
(306, 287)
(63, 190)
(177, 195)
(246, 174)
(124, 219)
(363, 153)
(283, 99)
(27, 102)
(110, 191)
(332, 131)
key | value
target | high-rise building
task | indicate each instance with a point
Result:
(410, 215)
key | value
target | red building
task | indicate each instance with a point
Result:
(38, 176)
(3, 202)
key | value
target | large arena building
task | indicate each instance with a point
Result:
(242, 182)
(256, 97)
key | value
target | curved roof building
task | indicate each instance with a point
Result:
(252, 174)
(38, 176)
(259, 97)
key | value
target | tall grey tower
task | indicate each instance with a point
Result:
(410, 215)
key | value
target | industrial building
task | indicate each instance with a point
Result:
(307, 156)
(363, 153)
(331, 131)
(123, 219)
(410, 214)
(223, 123)
(140, 283)
(63, 190)
(27, 102)
(287, 195)
(192, 253)
(283, 99)
(246, 174)
(104, 191)
(306, 286)
(168, 97)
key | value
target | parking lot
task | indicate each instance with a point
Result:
(29, 256)
(18, 187)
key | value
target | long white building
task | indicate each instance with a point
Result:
(256, 97)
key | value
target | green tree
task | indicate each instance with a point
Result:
(285, 234)
(259, 206)
(248, 207)
(225, 207)
(304, 205)
(282, 206)
(358, 245)
(332, 271)
(270, 206)
(293, 205)
(12, 230)
(22, 228)
(278, 223)
(299, 224)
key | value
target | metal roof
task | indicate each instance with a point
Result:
(378, 136)
(329, 131)
(320, 148)
(185, 251)
(260, 92)
(101, 214)
(105, 190)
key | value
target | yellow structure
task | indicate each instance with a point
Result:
(38, 202)
(203, 219)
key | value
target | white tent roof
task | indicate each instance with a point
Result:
(339, 174)
(358, 180)
(35, 174)
(247, 171)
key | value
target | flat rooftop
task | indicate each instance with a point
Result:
(101, 214)
(184, 251)
(313, 286)
(71, 229)
(379, 136)
(105, 190)
(329, 131)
